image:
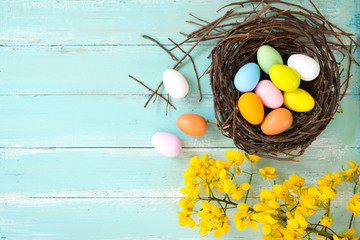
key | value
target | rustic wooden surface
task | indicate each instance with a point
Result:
(75, 155)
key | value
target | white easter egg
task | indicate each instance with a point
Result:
(307, 67)
(175, 83)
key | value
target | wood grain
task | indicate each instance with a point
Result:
(121, 121)
(102, 70)
(102, 22)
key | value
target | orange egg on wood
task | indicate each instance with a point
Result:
(192, 124)
(251, 108)
(277, 121)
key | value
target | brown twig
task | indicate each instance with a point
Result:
(193, 63)
(168, 102)
(194, 45)
(161, 46)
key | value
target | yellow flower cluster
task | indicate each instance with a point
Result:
(281, 211)
(212, 218)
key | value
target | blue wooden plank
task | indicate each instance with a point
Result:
(136, 173)
(51, 22)
(121, 121)
(58, 219)
(102, 70)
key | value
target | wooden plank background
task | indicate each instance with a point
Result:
(75, 155)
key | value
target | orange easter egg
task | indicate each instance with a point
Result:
(251, 108)
(277, 121)
(192, 124)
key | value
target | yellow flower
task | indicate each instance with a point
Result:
(227, 185)
(283, 193)
(337, 238)
(185, 218)
(297, 224)
(348, 174)
(309, 200)
(235, 157)
(187, 202)
(243, 219)
(326, 221)
(350, 232)
(243, 208)
(236, 191)
(252, 158)
(330, 180)
(223, 173)
(268, 172)
(295, 183)
(327, 192)
(190, 190)
(212, 218)
(354, 204)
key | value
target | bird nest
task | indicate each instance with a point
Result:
(290, 29)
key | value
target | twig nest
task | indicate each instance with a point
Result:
(295, 30)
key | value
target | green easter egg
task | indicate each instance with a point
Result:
(267, 57)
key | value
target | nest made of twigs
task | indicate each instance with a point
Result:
(294, 29)
(290, 29)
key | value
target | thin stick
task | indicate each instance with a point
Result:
(152, 91)
(160, 45)
(203, 36)
(155, 92)
(195, 44)
(193, 63)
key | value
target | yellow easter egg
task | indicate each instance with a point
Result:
(299, 100)
(251, 108)
(284, 77)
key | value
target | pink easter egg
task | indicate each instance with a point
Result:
(269, 94)
(166, 143)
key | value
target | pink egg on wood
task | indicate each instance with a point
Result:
(166, 143)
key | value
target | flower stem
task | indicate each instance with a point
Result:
(250, 180)
(321, 233)
(352, 215)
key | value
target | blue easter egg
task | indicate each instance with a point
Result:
(247, 77)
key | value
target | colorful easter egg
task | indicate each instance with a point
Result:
(175, 83)
(251, 108)
(192, 124)
(299, 100)
(269, 94)
(284, 77)
(267, 57)
(277, 121)
(166, 143)
(247, 77)
(307, 67)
